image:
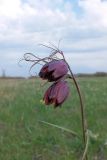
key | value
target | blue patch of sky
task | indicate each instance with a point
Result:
(24, 1)
(76, 8)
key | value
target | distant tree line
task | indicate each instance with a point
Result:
(97, 74)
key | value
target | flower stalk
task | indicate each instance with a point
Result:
(83, 119)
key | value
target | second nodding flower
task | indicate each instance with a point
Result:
(57, 93)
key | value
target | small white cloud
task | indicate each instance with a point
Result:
(95, 12)
(10, 9)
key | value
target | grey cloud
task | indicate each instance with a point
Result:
(43, 22)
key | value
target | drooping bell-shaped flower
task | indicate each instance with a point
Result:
(54, 70)
(57, 93)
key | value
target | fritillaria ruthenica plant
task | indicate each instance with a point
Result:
(55, 70)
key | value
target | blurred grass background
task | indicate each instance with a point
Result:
(23, 137)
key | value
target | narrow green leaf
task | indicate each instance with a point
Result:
(62, 128)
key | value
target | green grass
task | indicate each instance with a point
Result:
(23, 137)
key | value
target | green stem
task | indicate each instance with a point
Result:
(81, 104)
(86, 147)
(84, 127)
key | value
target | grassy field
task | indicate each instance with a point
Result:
(24, 137)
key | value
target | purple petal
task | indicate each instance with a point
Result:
(54, 70)
(61, 70)
(63, 92)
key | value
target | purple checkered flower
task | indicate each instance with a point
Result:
(54, 70)
(57, 93)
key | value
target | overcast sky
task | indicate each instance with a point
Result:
(81, 24)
